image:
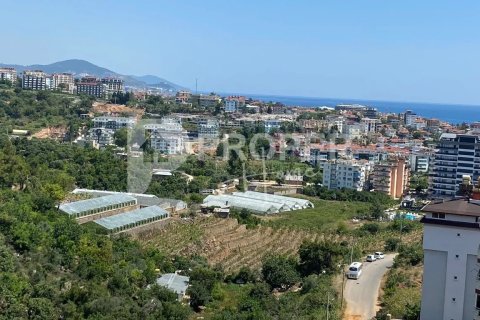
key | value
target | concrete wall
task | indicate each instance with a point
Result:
(471, 271)
(104, 214)
(433, 287)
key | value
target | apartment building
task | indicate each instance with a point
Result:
(368, 125)
(451, 244)
(209, 129)
(101, 136)
(350, 174)
(113, 85)
(234, 103)
(272, 124)
(36, 80)
(391, 177)
(114, 123)
(182, 97)
(92, 86)
(168, 136)
(205, 101)
(63, 81)
(8, 74)
(457, 155)
(419, 162)
(410, 118)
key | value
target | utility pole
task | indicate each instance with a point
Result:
(196, 85)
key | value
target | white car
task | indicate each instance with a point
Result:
(371, 258)
(379, 255)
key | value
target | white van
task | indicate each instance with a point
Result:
(354, 270)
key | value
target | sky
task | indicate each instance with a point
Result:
(409, 50)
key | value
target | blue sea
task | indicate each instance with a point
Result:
(452, 113)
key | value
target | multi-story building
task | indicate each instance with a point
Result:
(457, 155)
(182, 97)
(391, 177)
(101, 136)
(8, 74)
(409, 118)
(63, 81)
(92, 86)
(272, 124)
(114, 123)
(209, 129)
(345, 174)
(419, 162)
(205, 101)
(36, 80)
(113, 85)
(368, 125)
(335, 121)
(451, 245)
(167, 137)
(234, 103)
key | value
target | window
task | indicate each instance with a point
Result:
(438, 215)
(478, 302)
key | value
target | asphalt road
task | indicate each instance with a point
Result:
(361, 295)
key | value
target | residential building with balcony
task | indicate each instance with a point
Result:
(420, 162)
(167, 137)
(8, 74)
(234, 103)
(114, 123)
(92, 86)
(391, 177)
(113, 85)
(182, 97)
(339, 174)
(36, 80)
(451, 246)
(457, 155)
(63, 81)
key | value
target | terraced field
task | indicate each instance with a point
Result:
(225, 242)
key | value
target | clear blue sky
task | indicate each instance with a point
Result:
(407, 50)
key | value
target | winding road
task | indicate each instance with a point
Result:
(361, 295)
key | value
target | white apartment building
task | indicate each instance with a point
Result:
(231, 106)
(167, 137)
(272, 124)
(335, 121)
(368, 125)
(101, 136)
(9, 74)
(419, 162)
(114, 123)
(209, 129)
(451, 244)
(63, 81)
(350, 174)
(352, 131)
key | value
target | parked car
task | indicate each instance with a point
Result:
(379, 255)
(371, 258)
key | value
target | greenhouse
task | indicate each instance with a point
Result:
(131, 219)
(254, 205)
(98, 205)
(296, 203)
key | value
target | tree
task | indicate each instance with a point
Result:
(121, 137)
(318, 257)
(280, 271)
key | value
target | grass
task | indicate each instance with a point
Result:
(325, 216)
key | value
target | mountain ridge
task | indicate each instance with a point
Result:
(80, 67)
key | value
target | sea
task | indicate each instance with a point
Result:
(452, 113)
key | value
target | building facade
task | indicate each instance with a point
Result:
(345, 174)
(451, 278)
(114, 123)
(457, 155)
(113, 85)
(63, 82)
(36, 80)
(391, 177)
(8, 74)
(92, 86)
(419, 162)
(167, 137)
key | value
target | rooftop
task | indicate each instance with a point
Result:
(462, 206)
(174, 282)
(95, 203)
(130, 217)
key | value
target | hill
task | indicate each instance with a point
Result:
(80, 68)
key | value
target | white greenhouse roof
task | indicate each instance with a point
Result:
(174, 282)
(258, 202)
(249, 204)
(95, 203)
(130, 217)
